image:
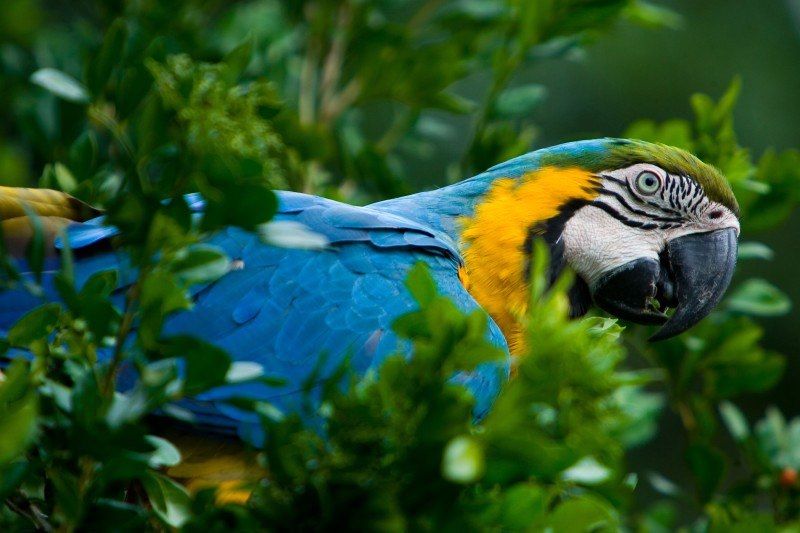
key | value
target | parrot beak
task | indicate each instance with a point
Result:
(702, 265)
(692, 276)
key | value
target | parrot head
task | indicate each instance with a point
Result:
(645, 227)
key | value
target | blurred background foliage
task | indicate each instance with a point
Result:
(126, 104)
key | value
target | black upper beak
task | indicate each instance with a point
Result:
(692, 276)
(702, 266)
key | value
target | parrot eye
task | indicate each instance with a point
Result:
(647, 183)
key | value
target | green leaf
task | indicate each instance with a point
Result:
(421, 284)
(642, 410)
(662, 485)
(64, 179)
(200, 263)
(463, 460)
(734, 420)
(165, 453)
(83, 154)
(583, 513)
(108, 57)
(101, 283)
(653, 15)
(113, 515)
(243, 371)
(290, 234)
(587, 471)
(758, 297)
(522, 507)
(161, 296)
(11, 476)
(60, 84)
(520, 101)
(708, 466)
(246, 206)
(18, 413)
(169, 500)
(660, 517)
(773, 439)
(134, 87)
(35, 325)
(237, 59)
(207, 365)
(66, 494)
(18, 427)
(452, 103)
(753, 371)
(755, 250)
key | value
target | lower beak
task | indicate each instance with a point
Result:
(692, 276)
(627, 292)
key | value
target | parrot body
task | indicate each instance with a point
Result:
(284, 308)
(618, 212)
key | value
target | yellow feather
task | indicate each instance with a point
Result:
(56, 209)
(18, 232)
(43, 202)
(494, 238)
(208, 461)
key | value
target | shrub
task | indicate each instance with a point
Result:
(129, 106)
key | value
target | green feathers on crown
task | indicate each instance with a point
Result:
(621, 153)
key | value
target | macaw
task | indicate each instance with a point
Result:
(637, 222)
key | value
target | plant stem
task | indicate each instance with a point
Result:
(31, 512)
(131, 297)
(402, 123)
(334, 60)
(344, 99)
(307, 90)
(687, 416)
(423, 14)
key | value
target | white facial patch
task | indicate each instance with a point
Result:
(639, 209)
(596, 243)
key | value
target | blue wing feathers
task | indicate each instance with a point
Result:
(284, 307)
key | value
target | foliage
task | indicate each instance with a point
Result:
(721, 358)
(401, 452)
(130, 105)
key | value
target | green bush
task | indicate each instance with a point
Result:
(130, 105)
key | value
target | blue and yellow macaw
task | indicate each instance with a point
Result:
(639, 223)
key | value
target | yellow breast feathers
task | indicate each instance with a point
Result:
(493, 239)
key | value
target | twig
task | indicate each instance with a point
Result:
(687, 416)
(401, 124)
(423, 14)
(344, 99)
(32, 513)
(308, 81)
(334, 60)
(122, 334)
(110, 123)
(308, 71)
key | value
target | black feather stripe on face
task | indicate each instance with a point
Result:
(684, 196)
(550, 231)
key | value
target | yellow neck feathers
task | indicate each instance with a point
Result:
(493, 240)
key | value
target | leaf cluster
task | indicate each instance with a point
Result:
(131, 105)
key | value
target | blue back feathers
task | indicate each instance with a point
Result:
(285, 308)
